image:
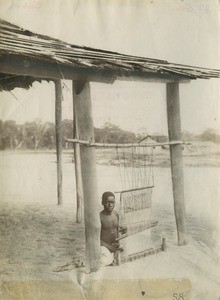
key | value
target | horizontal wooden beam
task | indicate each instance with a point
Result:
(142, 254)
(127, 145)
(27, 66)
(19, 65)
(136, 189)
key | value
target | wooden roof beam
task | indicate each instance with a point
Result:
(27, 66)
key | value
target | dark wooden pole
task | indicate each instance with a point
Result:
(78, 175)
(58, 126)
(83, 108)
(174, 129)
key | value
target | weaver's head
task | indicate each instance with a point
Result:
(108, 201)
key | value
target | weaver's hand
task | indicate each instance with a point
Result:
(122, 229)
(112, 247)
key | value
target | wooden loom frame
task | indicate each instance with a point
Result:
(141, 254)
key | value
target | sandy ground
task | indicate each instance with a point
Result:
(37, 238)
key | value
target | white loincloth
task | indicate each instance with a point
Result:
(107, 257)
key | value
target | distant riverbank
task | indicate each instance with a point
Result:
(198, 154)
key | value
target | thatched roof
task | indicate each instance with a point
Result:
(22, 51)
(8, 81)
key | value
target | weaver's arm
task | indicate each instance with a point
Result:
(122, 232)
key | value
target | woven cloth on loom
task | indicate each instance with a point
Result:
(135, 210)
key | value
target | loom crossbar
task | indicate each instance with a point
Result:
(125, 145)
(135, 189)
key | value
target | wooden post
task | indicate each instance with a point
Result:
(89, 177)
(58, 126)
(164, 244)
(174, 129)
(78, 175)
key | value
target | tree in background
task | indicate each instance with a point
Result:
(48, 137)
(210, 135)
(9, 132)
(67, 131)
(38, 135)
(110, 133)
(34, 133)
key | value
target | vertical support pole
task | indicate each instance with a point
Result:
(77, 164)
(164, 244)
(83, 108)
(174, 129)
(58, 129)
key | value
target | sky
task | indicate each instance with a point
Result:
(180, 31)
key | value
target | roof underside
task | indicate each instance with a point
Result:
(26, 57)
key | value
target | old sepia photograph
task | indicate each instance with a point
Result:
(109, 149)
